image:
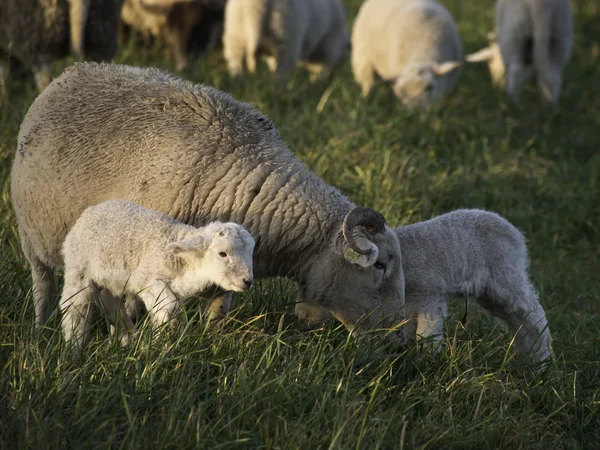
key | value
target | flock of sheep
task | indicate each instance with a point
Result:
(147, 188)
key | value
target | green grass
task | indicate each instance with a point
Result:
(261, 382)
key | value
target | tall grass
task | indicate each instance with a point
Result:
(262, 382)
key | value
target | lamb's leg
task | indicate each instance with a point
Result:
(517, 306)
(288, 55)
(160, 301)
(517, 75)
(117, 317)
(426, 316)
(76, 305)
(218, 307)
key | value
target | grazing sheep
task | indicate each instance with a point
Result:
(466, 252)
(172, 21)
(197, 155)
(531, 36)
(286, 31)
(37, 32)
(413, 44)
(128, 249)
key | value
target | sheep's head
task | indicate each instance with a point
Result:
(359, 278)
(417, 85)
(221, 251)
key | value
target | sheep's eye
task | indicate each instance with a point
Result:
(379, 266)
(223, 254)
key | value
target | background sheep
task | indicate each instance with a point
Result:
(414, 45)
(130, 250)
(466, 252)
(194, 153)
(313, 31)
(531, 36)
(173, 22)
(36, 33)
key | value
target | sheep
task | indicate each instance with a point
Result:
(414, 45)
(285, 31)
(36, 33)
(530, 36)
(128, 249)
(197, 155)
(467, 252)
(172, 21)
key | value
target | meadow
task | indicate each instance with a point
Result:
(261, 381)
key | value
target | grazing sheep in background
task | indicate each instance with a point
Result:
(286, 31)
(36, 33)
(130, 250)
(414, 45)
(531, 36)
(172, 21)
(465, 252)
(197, 155)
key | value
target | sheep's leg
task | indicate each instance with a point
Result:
(288, 55)
(364, 74)
(3, 76)
(117, 317)
(518, 307)
(426, 316)
(160, 301)
(76, 305)
(218, 307)
(43, 75)
(310, 314)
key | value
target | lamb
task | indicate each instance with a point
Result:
(465, 252)
(530, 36)
(127, 249)
(172, 21)
(37, 33)
(285, 31)
(412, 44)
(197, 155)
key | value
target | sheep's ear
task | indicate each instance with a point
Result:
(445, 67)
(185, 245)
(485, 54)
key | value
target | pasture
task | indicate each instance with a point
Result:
(262, 382)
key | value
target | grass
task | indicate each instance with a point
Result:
(261, 382)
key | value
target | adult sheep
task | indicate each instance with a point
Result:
(196, 154)
(36, 32)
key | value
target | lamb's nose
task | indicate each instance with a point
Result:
(247, 283)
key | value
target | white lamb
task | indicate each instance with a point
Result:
(465, 252)
(412, 44)
(531, 36)
(129, 250)
(286, 31)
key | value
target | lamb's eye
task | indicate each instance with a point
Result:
(223, 254)
(379, 266)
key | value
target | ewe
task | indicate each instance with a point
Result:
(313, 31)
(198, 155)
(412, 44)
(466, 252)
(531, 36)
(130, 250)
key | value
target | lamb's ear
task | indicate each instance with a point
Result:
(192, 243)
(445, 67)
(485, 54)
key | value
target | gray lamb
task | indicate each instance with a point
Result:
(465, 252)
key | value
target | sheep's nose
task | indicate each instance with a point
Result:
(247, 283)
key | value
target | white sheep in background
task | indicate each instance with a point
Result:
(532, 36)
(137, 252)
(287, 31)
(465, 252)
(412, 44)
